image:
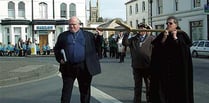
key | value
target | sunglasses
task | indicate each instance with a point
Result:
(169, 23)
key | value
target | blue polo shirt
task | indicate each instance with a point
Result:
(75, 48)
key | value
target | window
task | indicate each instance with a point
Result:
(144, 20)
(195, 43)
(160, 6)
(7, 30)
(130, 10)
(137, 22)
(43, 10)
(160, 26)
(8, 38)
(201, 44)
(63, 12)
(137, 8)
(21, 9)
(197, 3)
(26, 30)
(72, 9)
(196, 30)
(206, 44)
(11, 9)
(131, 24)
(143, 6)
(176, 5)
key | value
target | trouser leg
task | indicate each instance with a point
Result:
(84, 81)
(67, 89)
(138, 86)
(147, 84)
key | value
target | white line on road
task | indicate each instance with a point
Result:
(99, 95)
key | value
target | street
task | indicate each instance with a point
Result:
(114, 84)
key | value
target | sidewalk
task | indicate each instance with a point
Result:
(12, 72)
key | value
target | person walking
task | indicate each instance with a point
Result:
(140, 48)
(171, 66)
(20, 46)
(121, 48)
(76, 52)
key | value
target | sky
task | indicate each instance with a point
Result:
(112, 8)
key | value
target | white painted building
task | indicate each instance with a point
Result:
(192, 18)
(137, 12)
(40, 20)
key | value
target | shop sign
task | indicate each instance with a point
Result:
(44, 27)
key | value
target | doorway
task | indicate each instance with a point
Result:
(43, 39)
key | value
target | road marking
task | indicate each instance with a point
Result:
(98, 94)
(10, 57)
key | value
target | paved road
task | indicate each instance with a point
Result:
(114, 84)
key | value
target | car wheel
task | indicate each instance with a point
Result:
(194, 54)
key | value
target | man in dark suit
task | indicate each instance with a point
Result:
(79, 59)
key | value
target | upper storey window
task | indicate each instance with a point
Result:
(43, 10)
(11, 9)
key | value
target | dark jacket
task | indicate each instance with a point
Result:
(91, 57)
(141, 56)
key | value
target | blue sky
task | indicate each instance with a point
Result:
(112, 8)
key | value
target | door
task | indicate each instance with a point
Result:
(43, 39)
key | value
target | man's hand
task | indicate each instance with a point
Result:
(62, 61)
(174, 33)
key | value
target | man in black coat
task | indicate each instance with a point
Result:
(76, 51)
(171, 66)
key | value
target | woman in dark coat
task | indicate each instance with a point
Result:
(171, 66)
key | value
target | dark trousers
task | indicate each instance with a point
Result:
(80, 72)
(121, 56)
(140, 74)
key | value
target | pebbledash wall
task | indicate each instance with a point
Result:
(40, 20)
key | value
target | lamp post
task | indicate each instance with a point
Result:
(150, 2)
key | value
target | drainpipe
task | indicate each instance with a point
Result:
(32, 24)
(151, 1)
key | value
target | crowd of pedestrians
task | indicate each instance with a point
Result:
(22, 48)
(112, 47)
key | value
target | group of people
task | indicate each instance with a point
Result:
(113, 46)
(163, 62)
(22, 48)
(19, 49)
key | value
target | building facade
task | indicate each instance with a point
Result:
(137, 11)
(40, 20)
(193, 18)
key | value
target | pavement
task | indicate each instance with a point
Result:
(12, 72)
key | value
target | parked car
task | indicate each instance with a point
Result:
(200, 48)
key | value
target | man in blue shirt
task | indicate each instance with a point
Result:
(76, 51)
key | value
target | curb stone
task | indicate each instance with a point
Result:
(29, 72)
